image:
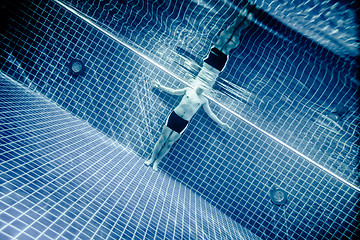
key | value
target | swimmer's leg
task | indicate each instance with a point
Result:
(174, 136)
(229, 38)
(165, 133)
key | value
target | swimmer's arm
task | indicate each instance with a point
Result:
(208, 111)
(178, 92)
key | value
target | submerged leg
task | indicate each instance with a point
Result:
(174, 136)
(229, 38)
(159, 145)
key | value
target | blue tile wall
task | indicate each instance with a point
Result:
(278, 79)
(233, 171)
(63, 179)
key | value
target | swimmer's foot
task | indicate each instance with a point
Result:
(148, 162)
(155, 166)
(251, 7)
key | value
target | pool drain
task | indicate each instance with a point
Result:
(76, 67)
(278, 196)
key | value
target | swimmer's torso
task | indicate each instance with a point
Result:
(189, 105)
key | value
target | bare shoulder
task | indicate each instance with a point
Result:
(187, 89)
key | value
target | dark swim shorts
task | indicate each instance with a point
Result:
(176, 123)
(216, 59)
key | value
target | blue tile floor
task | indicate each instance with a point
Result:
(62, 179)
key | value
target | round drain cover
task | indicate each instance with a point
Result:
(278, 196)
(77, 67)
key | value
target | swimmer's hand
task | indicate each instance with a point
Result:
(156, 84)
(225, 126)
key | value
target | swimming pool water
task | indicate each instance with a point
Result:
(233, 171)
